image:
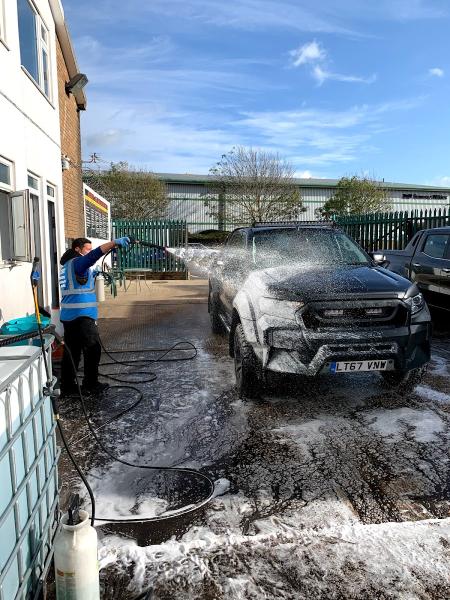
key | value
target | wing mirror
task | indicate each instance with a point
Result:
(379, 259)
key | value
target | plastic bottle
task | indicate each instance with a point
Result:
(100, 288)
(76, 563)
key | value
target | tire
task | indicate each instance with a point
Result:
(246, 367)
(404, 381)
(216, 322)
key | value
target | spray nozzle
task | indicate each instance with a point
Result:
(74, 510)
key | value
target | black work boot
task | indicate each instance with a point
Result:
(97, 389)
(69, 391)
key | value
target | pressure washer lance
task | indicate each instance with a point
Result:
(133, 240)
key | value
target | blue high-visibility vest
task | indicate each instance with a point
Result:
(77, 299)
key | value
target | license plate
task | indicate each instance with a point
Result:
(358, 366)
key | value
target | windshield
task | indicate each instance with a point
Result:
(306, 247)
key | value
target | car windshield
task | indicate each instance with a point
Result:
(306, 247)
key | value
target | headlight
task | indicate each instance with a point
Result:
(279, 308)
(416, 303)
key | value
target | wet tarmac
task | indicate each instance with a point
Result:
(381, 455)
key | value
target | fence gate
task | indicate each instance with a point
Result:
(391, 231)
(168, 233)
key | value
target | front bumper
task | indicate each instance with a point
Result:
(305, 352)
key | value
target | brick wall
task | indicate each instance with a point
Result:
(71, 147)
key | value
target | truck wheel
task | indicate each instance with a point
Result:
(248, 382)
(216, 322)
(404, 381)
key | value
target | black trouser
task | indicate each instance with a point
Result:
(80, 335)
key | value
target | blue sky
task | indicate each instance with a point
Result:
(337, 88)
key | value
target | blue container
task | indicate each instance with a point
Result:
(24, 325)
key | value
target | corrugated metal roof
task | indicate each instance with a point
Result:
(302, 182)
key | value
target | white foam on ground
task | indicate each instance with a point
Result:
(439, 366)
(351, 560)
(430, 394)
(392, 423)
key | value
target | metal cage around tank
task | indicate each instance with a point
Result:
(28, 473)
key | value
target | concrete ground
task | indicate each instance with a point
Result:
(338, 450)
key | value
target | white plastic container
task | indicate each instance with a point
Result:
(28, 472)
(76, 564)
(100, 288)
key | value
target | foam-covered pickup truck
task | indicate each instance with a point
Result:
(306, 299)
(426, 261)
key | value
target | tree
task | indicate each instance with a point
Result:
(253, 186)
(355, 196)
(134, 194)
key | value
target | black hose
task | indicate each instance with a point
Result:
(192, 472)
(77, 468)
(21, 337)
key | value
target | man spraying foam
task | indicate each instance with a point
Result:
(79, 314)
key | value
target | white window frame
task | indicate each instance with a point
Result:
(34, 201)
(25, 196)
(2, 22)
(53, 187)
(42, 45)
(10, 165)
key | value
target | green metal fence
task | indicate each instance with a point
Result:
(167, 233)
(375, 231)
(391, 231)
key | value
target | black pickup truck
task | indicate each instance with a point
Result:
(426, 261)
(304, 300)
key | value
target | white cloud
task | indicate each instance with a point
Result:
(321, 75)
(156, 137)
(303, 174)
(109, 138)
(310, 52)
(442, 181)
(325, 16)
(314, 54)
(436, 72)
(408, 10)
(250, 15)
(315, 137)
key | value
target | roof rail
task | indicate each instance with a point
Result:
(294, 223)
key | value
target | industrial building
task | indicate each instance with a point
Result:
(188, 194)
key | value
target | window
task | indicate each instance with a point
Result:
(16, 222)
(5, 173)
(33, 182)
(236, 240)
(14, 226)
(34, 46)
(435, 245)
(5, 235)
(415, 239)
(278, 247)
(2, 21)
(35, 223)
(6, 182)
(19, 226)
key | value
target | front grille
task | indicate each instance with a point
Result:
(354, 314)
(358, 349)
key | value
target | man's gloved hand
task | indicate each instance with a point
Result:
(122, 242)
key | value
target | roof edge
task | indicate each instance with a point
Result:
(70, 59)
(305, 182)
